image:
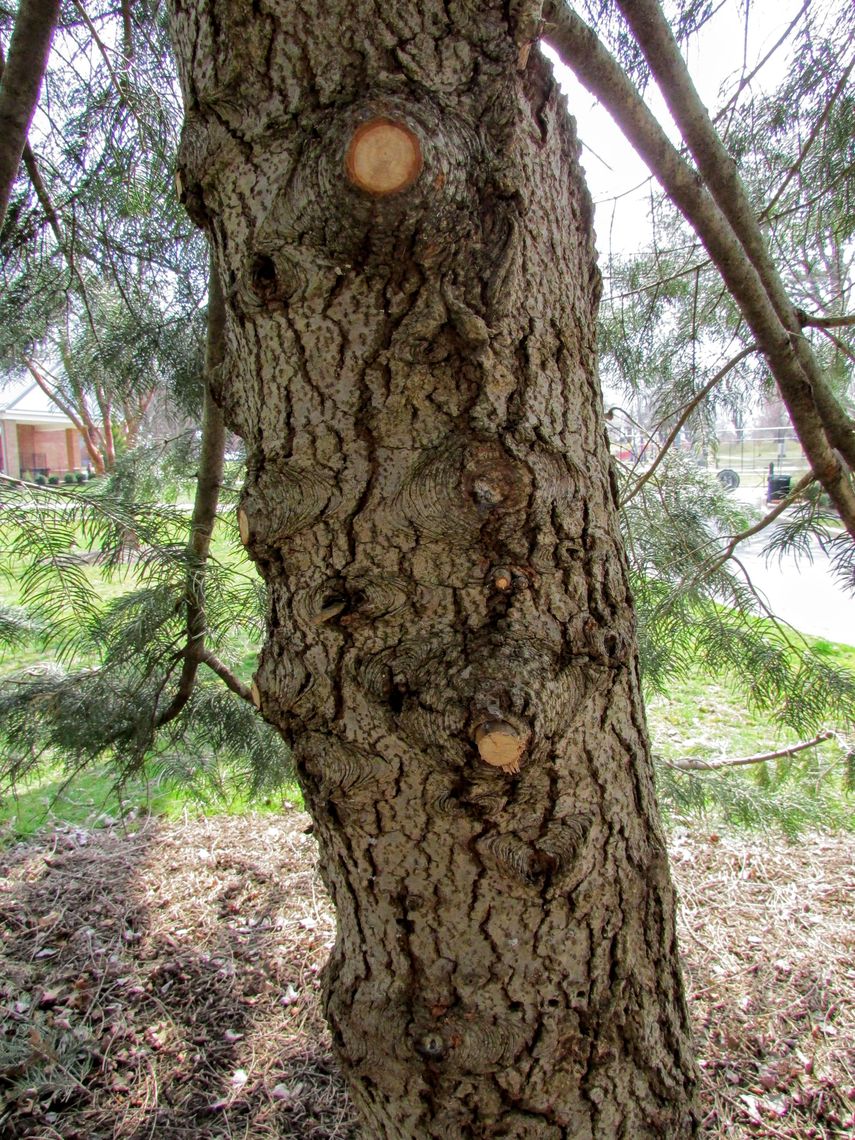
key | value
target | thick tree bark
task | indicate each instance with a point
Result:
(404, 238)
(21, 83)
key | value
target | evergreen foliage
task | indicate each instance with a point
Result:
(675, 345)
(102, 276)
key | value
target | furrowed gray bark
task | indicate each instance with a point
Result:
(400, 224)
(20, 85)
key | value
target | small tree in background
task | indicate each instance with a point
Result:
(101, 289)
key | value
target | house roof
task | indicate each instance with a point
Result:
(22, 401)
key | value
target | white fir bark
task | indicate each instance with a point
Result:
(404, 239)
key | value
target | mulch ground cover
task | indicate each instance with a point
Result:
(165, 983)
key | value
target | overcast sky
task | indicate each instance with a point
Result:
(716, 59)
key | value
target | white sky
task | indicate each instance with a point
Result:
(715, 60)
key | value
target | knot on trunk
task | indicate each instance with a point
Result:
(282, 500)
(560, 853)
(470, 1041)
(501, 745)
(463, 489)
(384, 157)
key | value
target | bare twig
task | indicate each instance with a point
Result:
(695, 764)
(746, 79)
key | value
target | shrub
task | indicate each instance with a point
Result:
(40, 479)
(80, 477)
(54, 480)
(68, 477)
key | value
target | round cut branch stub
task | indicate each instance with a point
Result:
(384, 157)
(500, 745)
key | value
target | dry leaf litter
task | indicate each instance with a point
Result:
(165, 984)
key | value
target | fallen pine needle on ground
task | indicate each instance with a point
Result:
(165, 983)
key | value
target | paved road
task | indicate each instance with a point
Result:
(802, 592)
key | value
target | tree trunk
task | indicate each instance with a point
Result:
(404, 238)
(22, 80)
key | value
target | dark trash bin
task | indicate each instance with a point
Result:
(777, 486)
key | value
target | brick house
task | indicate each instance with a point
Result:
(35, 437)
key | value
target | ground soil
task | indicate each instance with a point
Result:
(165, 983)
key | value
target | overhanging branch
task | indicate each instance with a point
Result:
(582, 51)
(812, 322)
(22, 80)
(653, 35)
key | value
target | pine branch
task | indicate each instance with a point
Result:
(204, 516)
(653, 34)
(660, 281)
(32, 168)
(705, 569)
(811, 139)
(765, 522)
(105, 406)
(812, 322)
(127, 33)
(22, 80)
(582, 51)
(839, 344)
(99, 43)
(206, 657)
(41, 191)
(695, 764)
(35, 176)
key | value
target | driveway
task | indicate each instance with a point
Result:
(802, 591)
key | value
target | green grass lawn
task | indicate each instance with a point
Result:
(698, 717)
(707, 720)
(89, 799)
